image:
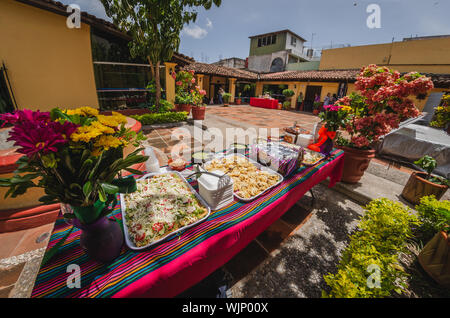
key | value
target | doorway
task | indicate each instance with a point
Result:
(311, 92)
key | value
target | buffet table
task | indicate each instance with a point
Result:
(264, 103)
(183, 261)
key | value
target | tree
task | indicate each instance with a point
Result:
(155, 27)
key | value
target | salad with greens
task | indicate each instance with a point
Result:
(161, 205)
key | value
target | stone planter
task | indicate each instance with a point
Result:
(198, 112)
(418, 187)
(435, 258)
(356, 162)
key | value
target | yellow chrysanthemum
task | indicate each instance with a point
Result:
(112, 121)
(85, 134)
(83, 111)
(108, 141)
(104, 129)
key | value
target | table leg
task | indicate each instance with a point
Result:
(313, 197)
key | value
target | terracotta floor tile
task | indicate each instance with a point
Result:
(10, 275)
(245, 261)
(28, 242)
(275, 235)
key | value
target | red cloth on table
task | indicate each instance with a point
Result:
(264, 103)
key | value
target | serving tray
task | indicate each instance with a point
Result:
(315, 162)
(258, 166)
(123, 207)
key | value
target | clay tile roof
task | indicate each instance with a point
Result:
(320, 76)
(210, 69)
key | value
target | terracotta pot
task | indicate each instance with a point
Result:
(185, 108)
(238, 101)
(418, 187)
(356, 162)
(435, 258)
(315, 111)
(198, 112)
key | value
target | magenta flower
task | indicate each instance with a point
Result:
(34, 132)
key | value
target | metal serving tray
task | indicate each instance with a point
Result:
(258, 165)
(130, 243)
(315, 162)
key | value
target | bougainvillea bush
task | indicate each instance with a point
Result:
(187, 92)
(381, 103)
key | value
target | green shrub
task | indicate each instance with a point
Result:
(286, 105)
(434, 216)
(163, 118)
(226, 97)
(382, 234)
(288, 93)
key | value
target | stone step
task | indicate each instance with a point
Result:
(372, 187)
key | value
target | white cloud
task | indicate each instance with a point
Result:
(195, 31)
(209, 23)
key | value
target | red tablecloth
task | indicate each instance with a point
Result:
(264, 103)
(181, 262)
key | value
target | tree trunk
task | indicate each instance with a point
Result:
(158, 85)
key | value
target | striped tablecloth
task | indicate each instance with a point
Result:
(185, 260)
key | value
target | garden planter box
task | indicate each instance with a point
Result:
(435, 258)
(356, 162)
(418, 187)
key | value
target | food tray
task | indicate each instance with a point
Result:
(322, 156)
(259, 166)
(130, 243)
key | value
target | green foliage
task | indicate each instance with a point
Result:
(382, 235)
(163, 118)
(434, 216)
(427, 163)
(154, 26)
(226, 97)
(286, 105)
(164, 107)
(288, 93)
(317, 105)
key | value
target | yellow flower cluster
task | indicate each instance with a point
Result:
(83, 111)
(87, 133)
(346, 108)
(112, 121)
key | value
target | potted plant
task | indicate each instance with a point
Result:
(184, 85)
(288, 93)
(316, 107)
(422, 184)
(435, 222)
(286, 105)
(379, 106)
(226, 98)
(77, 157)
(239, 99)
(198, 108)
(442, 115)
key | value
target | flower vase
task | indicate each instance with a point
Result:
(101, 240)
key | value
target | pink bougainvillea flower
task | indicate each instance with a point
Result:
(179, 83)
(193, 81)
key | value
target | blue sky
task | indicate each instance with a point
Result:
(224, 31)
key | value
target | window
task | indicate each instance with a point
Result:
(293, 41)
(267, 40)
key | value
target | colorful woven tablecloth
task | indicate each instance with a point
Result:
(181, 262)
